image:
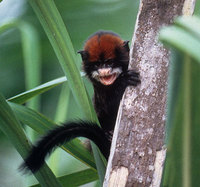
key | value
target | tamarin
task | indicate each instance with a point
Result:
(105, 59)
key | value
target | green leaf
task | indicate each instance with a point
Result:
(181, 39)
(32, 63)
(190, 24)
(41, 124)
(63, 104)
(25, 96)
(77, 179)
(32, 59)
(8, 26)
(31, 53)
(11, 127)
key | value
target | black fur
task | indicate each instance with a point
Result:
(107, 99)
(106, 103)
(62, 134)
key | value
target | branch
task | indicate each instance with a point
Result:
(138, 152)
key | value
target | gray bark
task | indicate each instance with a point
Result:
(138, 151)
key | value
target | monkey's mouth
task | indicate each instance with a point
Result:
(108, 79)
(106, 76)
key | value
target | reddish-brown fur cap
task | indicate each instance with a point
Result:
(102, 43)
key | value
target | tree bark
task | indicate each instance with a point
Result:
(138, 152)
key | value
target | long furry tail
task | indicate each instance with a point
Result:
(62, 134)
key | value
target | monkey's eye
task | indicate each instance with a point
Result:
(96, 65)
(110, 60)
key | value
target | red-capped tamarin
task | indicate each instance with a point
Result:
(105, 61)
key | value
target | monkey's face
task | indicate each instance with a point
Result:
(105, 57)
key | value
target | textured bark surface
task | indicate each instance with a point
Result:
(138, 151)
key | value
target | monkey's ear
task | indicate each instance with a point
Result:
(84, 55)
(126, 46)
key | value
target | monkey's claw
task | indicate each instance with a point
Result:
(133, 78)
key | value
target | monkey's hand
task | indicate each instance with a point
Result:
(131, 78)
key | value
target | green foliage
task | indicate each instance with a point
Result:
(197, 10)
(10, 125)
(77, 179)
(184, 35)
(82, 19)
(31, 54)
(25, 96)
(183, 140)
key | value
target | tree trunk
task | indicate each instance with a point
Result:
(138, 151)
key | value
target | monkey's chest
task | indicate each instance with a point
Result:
(107, 108)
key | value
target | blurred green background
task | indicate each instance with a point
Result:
(82, 18)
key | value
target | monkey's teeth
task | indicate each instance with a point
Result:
(108, 79)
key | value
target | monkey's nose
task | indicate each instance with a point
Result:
(104, 71)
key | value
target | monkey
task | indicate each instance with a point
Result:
(105, 59)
